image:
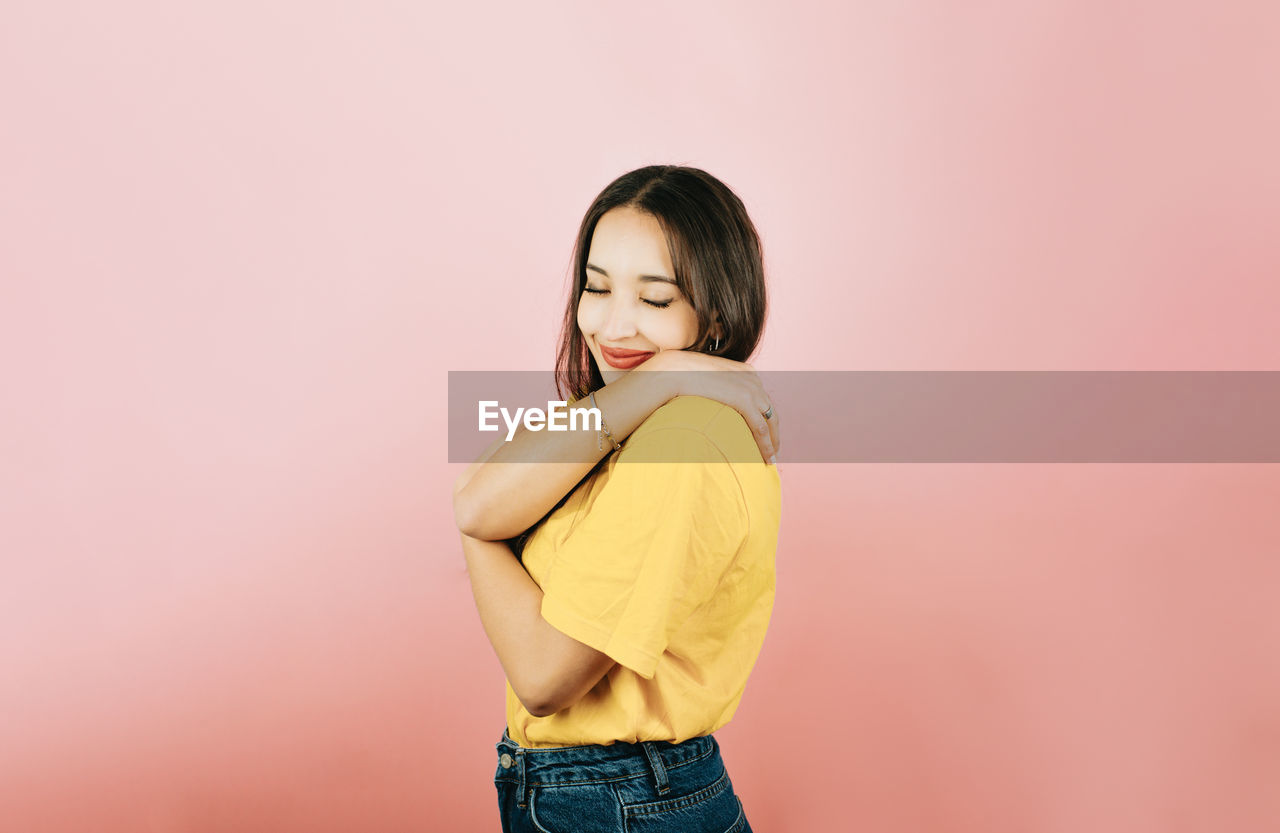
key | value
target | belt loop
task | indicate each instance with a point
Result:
(521, 798)
(659, 771)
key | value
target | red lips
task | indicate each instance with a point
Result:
(624, 359)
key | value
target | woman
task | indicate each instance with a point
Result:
(648, 547)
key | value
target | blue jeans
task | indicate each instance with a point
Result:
(650, 787)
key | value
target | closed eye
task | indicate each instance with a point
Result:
(654, 304)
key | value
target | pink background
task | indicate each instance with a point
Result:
(242, 246)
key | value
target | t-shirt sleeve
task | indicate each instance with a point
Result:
(651, 550)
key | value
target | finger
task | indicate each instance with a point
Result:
(770, 425)
(758, 426)
(764, 435)
(765, 404)
(776, 431)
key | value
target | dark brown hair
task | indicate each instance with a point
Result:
(716, 252)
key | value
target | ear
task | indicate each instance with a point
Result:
(717, 331)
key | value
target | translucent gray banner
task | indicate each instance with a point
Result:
(945, 416)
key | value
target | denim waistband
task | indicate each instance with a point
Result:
(595, 763)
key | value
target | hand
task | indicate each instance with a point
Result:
(741, 390)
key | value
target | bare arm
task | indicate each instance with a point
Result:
(548, 670)
(496, 502)
(497, 499)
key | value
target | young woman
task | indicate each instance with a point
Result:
(645, 579)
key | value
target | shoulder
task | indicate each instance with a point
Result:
(708, 430)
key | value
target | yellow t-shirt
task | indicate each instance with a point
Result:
(664, 560)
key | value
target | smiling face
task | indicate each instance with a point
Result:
(631, 308)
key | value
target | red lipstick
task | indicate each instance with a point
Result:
(624, 359)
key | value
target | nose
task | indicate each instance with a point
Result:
(621, 321)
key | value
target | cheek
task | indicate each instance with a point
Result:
(589, 318)
(678, 331)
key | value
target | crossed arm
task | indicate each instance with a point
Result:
(548, 670)
(496, 500)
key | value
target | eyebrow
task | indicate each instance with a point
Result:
(660, 278)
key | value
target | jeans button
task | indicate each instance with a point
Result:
(506, 761)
